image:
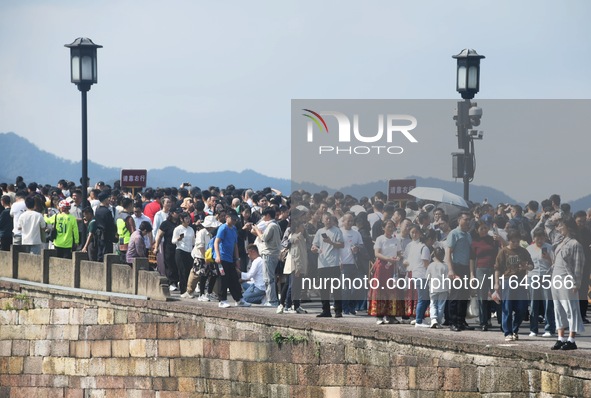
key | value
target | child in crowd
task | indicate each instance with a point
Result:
(438, 287)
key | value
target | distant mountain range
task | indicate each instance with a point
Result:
(19, 157)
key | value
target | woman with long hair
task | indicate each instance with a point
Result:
(383, 302)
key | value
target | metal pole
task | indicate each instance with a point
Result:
(464, 138)
(84, 150)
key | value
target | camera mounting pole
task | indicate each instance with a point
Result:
(468, 114)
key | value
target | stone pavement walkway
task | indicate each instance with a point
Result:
(492, 338)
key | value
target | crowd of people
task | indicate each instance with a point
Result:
(278, 251)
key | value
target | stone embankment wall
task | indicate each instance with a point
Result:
(56, 343)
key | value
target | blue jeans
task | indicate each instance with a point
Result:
(252, 294)
(437, 308)
(423, 299)
(269, 276)
(513, 310)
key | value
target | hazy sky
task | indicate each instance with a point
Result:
(206, 86)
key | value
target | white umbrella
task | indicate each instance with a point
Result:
(438, 195)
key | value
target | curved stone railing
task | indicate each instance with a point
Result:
(79, 272)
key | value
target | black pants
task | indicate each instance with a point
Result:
(326, 274)
(5, 243)
(230, 281)
(170, 268)
(458, 298)
(203, 281)
(63, 252)
(104, 247)
(184, 263)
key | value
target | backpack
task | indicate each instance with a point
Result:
(209, 252)
(52, 229)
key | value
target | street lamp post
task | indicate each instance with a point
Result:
(468, 115)
(83, 70)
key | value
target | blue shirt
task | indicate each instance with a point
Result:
(228, 238)
(460, 242)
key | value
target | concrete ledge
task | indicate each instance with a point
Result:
(109, 276)
(122, 279)
(30, 267)
(9, 263)
(93, 275)
(61, 272)
(152, 284)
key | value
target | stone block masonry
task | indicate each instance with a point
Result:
(56, 343)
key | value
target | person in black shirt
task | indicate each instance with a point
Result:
(169, 248)
(6, 224)
(105, 227)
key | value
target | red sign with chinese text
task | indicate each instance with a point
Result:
(134, 178)
(398, 189)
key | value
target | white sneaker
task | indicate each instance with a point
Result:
(413, 322)
(203, 297)
(172, 287)
(422, 325)
(279, 309)
(212, 296)
(187, 295)
(223, 304)
(547, 334)
(242, 303)
(434, 325)
(532, 334)
(380, 321)
(300, 310)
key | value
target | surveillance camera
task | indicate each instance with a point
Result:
(475, 112)
(476, 134)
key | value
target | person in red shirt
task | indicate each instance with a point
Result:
(154, 206)
(483, 254)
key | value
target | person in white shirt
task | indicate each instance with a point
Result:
(254, 279)
(416, 258)
(542, 256)
(16, 210)
(138, 217)
(202, 272)
(161, 215)
(438, 291)
(30, 224)
(378, 206)
(353, 242)
(183, 237)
